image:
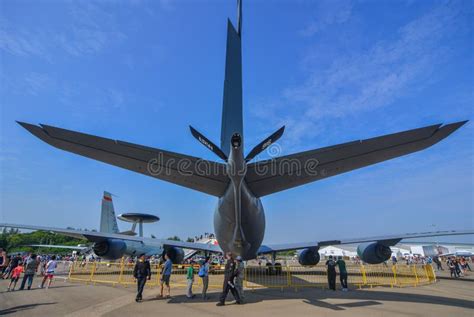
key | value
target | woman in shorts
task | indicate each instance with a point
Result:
(49, 272)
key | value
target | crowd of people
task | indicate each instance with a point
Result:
(458, 266)
(206, 235)
(233, 277)
(26, 266)
(29, 264)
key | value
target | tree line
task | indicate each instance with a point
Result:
(13, 240)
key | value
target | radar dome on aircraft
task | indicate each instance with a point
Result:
(140, 218)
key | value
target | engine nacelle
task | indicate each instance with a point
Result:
(176, 254)
(110, 248)
(373, 252)
(309, 256)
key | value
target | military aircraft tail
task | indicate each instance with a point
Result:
(232, 121)
(108, 222)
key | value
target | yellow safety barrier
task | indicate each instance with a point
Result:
(277, 276)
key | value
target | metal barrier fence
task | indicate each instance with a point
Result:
(358, 275)
(260, 276)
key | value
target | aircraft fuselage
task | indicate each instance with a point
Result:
(239, 219)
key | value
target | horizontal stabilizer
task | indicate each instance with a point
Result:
(188, 171)
(271, 176)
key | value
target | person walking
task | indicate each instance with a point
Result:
(394, 260)
(342, 273)
(3, 261)
(452, 269)
(49, 272)
(436, 260)
(467, 266)
(12, 264)
(190, 281)
(30, 270)
(15, 276)
(331, 271)
(141, 273)
(457, 267)
(229, 276)
(462, 263)
(204, 275)
(165, 276)
(239, 279)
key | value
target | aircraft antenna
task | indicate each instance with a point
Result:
(239, 17)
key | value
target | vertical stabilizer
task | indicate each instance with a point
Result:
(108, 222)
(232, 121)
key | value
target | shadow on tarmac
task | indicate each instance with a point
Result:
(37, 289)
(358, 298)
(17, 309)
(461, 279)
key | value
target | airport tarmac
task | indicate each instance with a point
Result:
(445, 298)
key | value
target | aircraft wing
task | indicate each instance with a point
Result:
(71, 247)
(101, 236)
(191, 172)
(389, 240)
(271, 176)
(457, 253)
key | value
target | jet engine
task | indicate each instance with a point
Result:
(110, 248)
(373, 252)
(176, 254)
(309, 256)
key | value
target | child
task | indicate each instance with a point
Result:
(15, 276)
(190, 279)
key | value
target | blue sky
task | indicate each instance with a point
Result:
(331, 71)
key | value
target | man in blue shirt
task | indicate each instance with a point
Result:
(204, 275)
(165, 276)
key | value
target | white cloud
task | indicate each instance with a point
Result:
(18, 41)
(328, 12)
(36, 83)
(361, 81)
(91, 28)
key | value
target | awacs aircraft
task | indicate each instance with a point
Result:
(109, 243)
(239, 183)
(108, 224)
